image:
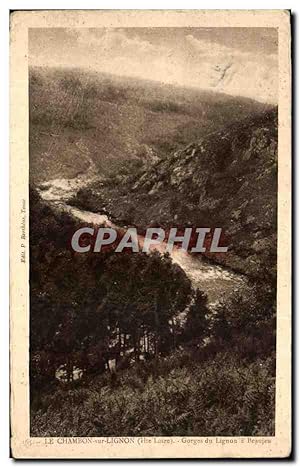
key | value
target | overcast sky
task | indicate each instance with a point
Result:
(238, 61)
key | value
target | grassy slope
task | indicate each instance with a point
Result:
(116, 119)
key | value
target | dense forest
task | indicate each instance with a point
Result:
(123, 344)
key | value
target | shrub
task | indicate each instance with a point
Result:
(224, 397)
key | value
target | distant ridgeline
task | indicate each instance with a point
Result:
(117, 119)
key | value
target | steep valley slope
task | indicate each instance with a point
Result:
(226, 179)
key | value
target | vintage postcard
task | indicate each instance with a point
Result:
(150, 234)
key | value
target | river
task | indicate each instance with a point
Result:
(216, 281)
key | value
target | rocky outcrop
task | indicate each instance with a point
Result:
(227, 179)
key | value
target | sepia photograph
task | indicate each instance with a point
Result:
(150, 232)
